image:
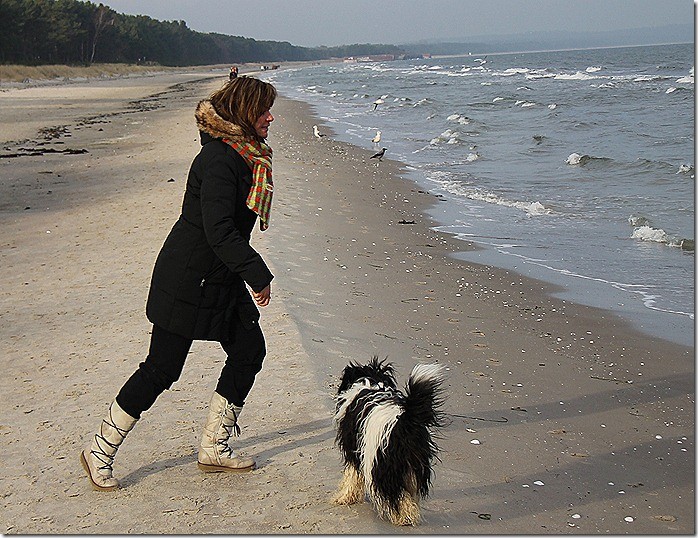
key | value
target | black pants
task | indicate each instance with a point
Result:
(165, 362)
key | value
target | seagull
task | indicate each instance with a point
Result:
(379, 155)
(376, 138)
(317, 133)
(377, 102)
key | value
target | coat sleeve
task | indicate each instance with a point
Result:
(220, 183)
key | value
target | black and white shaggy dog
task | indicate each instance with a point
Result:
(386, 437)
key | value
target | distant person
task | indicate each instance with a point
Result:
(199, 284)
(233, 72)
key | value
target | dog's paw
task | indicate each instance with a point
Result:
(404, 520)
(407, 514)
(346, 498)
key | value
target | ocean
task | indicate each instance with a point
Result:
(572, 167)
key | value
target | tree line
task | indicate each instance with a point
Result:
(73, 32)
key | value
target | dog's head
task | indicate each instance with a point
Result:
(375, 371)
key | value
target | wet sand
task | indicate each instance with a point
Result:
(582, 422)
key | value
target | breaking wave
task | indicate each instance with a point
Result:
(532, 209)
(644, 231)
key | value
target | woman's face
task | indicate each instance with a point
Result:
(261, 126)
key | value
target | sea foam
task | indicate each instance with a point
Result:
(657, 235)
(532, 209)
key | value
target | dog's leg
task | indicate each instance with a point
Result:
(407, 512)
(351, 488)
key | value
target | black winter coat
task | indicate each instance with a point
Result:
(198, 285)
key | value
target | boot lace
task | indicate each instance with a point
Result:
(106, 459)
(232, 429)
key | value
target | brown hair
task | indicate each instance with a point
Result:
(242, 101)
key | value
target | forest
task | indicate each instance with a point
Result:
(73, 32)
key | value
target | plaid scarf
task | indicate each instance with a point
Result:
(257, 155)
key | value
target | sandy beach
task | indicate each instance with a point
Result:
(562, 419)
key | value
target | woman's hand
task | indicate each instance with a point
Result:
(263, 297)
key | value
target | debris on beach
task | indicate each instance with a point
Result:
(49, 133)
(36, 152)
(667, 518)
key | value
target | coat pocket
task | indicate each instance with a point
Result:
(248, 313)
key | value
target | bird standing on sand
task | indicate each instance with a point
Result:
(379, 155)
(317, 133)
(376, 138)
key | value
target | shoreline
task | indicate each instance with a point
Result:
(677, 327)
(557, 394)
(631, 297)
(421, 215)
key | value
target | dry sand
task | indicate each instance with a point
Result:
(584, 425)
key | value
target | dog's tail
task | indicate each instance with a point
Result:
(424, 395)
(413, 443)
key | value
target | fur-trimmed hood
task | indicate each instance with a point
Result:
(209, 122)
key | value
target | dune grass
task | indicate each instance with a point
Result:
(35, 73)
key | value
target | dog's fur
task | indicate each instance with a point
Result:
(386, 437)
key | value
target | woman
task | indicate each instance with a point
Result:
(199, 284)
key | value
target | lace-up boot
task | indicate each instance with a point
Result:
(98, 458)
(215, 454)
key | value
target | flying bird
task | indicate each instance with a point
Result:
(317, 133)
(376, 138)
(379, 155)
(377, 102)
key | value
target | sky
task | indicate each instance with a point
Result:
(312, 23)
